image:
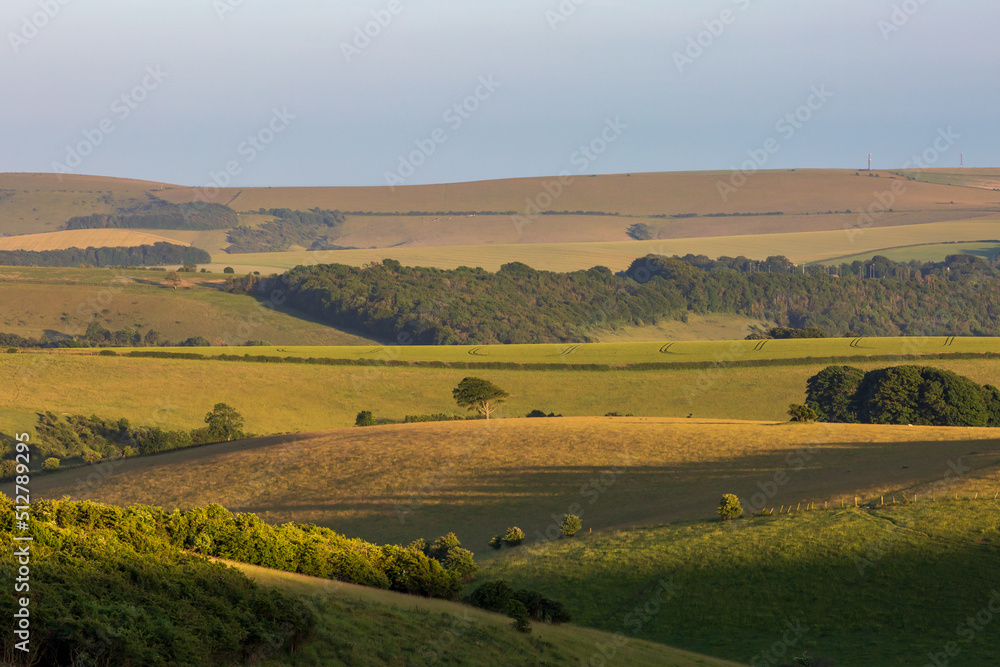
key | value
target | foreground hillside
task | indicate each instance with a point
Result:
(401, 483)
(905, 584)
(365, 626)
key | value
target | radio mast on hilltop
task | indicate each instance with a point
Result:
(961, 160)
(869, 162)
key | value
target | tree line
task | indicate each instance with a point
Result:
(315, 229)
(159, 214)
(144, 255)
(518, 304)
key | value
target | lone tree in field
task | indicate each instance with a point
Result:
(172, 279)
(224, 423)
(480, 395)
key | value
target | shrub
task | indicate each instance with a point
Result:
(12, 350)
(108, 353)
(571, 525)
(496, 542)
(229, 269)
(50, 464)
(536, 413)
(802, 413)
(365, 418)
(91, 457)
(513, 537)
(730, 507)
(495, 595)
(492, 595)
(8, 468)
(517, 611)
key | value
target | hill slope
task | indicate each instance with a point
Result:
(400, 483)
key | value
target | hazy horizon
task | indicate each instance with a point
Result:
(199, 93)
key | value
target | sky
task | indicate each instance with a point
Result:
(377, 92)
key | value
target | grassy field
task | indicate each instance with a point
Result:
(800, 247)
(283, 398)
(84, 238)
(367, 626)
(64, 301)
(987, 179)
(925, 252)
(402, 482)
(723, 352)
(889, 586)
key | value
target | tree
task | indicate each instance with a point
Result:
(229, 269)
(831, 393)
(802, 413)
(50, 464)
(730, 507)
(91, 457)
(513, 537)
(478, 394)
(224, 423)
(571, 525)
(365, 418)
(172, 279)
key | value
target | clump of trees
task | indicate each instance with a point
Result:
(786, 333)
(159, 214)
(512, 537)
(143, 255)
(918, 395)
(496, 595)
(314, 230)
(518, 304)
(94, 438)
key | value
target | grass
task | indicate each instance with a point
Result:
(620, 353)
(283, 398)
(929, 252)
(366, 626)
(84, 238)
(618, 255)
(867, 587)
(399, 483)
(65, 301)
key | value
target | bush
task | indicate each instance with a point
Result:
(50, 464)
(108, 353)
(571, 525)
(8, 468)
(517, 611)
(496, 542)
(365, 418)
(495, 595)
(513, 537)
(730, 507)
(802, 413)
(536, 413)
(12, 350)
(229, 269)
(91, 457)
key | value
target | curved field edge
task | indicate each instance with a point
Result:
(396, 484)
(887, 586)
(721, 353)
(367, 626)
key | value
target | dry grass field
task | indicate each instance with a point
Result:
(800, 247)
(399, 483)
(85, 238)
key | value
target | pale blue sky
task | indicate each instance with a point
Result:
(228, 65)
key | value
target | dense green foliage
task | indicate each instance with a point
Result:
(111, 586)
(495, 595)
(98, 336)
(902, 395)
(158, 214)
(730, 507)
(518, 304)
(787, 333)
(478, 394)
(143, 255)
(313, 230)
(71, 436)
